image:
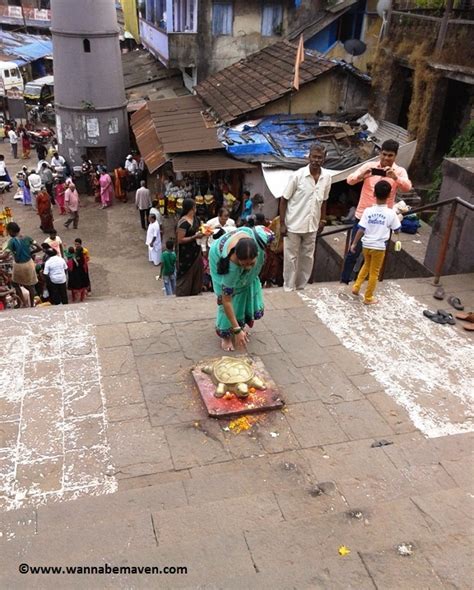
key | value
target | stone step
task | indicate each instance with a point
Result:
(249, 537)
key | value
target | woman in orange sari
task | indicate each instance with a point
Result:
(120, 176)
(45, 211)
(25, 144)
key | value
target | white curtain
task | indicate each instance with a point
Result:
(222, 17)
(272, 18)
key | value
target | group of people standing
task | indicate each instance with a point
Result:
(237, 257)
(43, 274)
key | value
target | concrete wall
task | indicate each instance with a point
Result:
(89, 95)
(328, 263)
(216, 53)
(183, 49)
(327, 93)
(458, 180)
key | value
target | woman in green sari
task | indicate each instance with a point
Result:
(235, 261)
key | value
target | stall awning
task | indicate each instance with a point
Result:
(172, 126)
(208, 161)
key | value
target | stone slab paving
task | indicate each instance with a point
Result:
(107, 454)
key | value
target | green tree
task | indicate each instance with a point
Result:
(462, 147)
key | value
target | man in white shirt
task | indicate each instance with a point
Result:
(222, 221)
(55, 272)
(34, 180)
(153, 241)
(143, 203)
(131, 167)
(156, 212)
(58, 164)
(302, 214)
(13, 137)
(4, 176)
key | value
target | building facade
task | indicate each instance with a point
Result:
(90, 96)
(30, 13)
(424, 79)
(205, 36)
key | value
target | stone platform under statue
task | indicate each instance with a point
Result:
(230, 386)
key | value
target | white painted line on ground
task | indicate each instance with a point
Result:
(425, 367)
(54, 418)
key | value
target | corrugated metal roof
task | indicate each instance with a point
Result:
(321, 20)
(173, 125)
(145, 79)
(261, 78)
(140, 67)
(147, 139)
(23, 48)
(208, 161)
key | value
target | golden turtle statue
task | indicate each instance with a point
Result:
(233, 374)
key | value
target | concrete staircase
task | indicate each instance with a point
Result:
(269, 507)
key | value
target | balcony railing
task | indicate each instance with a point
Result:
(454, 203)
(443, 16)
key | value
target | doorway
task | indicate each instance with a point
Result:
(97, 155)
(453, 119)
(406, 93)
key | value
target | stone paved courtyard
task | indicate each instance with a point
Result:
(106, 454)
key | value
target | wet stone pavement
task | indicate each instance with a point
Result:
(107, 455)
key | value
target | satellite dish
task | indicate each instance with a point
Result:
(383, 6)
(355, 47)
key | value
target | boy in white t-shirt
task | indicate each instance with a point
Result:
(374, 229)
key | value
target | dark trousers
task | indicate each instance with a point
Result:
(15, 150)
(50, 191)
(57, 293)
(351, 259)
(144, 217)
(73, 218)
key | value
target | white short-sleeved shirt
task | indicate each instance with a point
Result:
(305, 197)
(377, 221)
(55, 267)
(55, 244)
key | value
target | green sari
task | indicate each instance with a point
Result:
(243, 285)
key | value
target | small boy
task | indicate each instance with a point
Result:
(374, 229)
(168, 268)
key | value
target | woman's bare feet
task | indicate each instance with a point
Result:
(226, 344)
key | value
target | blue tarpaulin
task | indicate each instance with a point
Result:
(24, 48)
(285, 140)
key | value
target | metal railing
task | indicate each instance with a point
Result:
(454, 202)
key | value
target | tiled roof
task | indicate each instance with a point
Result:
(173, 125)
(261, 78)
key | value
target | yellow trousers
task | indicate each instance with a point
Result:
(373, 260)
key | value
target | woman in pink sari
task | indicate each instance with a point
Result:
(106, 189)
(59, 190)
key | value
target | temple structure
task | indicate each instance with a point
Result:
(89, 90)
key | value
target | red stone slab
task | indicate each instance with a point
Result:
(260, 401)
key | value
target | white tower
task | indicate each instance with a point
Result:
(88, 81)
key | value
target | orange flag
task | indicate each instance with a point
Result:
(299, 60)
